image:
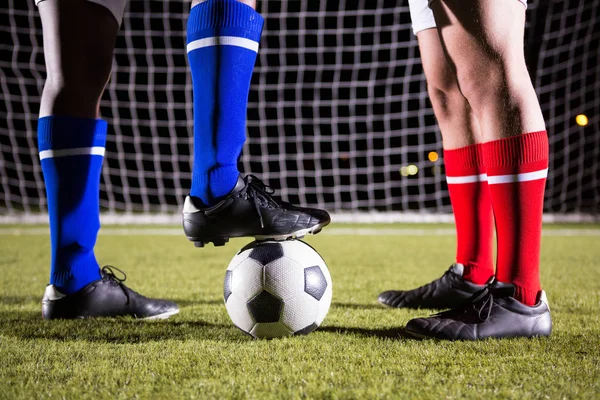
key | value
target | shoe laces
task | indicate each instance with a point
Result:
(483, 302)
(108, 273)
(480, 305)
(260, 193)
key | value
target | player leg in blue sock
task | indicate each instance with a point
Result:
(223, 40)
(71, 152)
(79, 38)
(222, 43)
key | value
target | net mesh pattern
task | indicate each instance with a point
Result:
(338, 105)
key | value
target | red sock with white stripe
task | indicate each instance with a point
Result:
(472, 208)
(517, 168)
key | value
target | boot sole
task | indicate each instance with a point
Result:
(299, 234)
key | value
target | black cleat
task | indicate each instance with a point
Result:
(106, 297)
(449, 291)
(491, 313)
(249, 210)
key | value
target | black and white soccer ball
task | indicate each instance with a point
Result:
(275, 289)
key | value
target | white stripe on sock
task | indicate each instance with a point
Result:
(453, 180)
(80, 151)
(524, 177)
(223, 41)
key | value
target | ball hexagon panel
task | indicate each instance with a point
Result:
(284, 278)
(270, 330)
(265, 307)
(315, 283)
(266, 252)
(238, 312)
(299, 312)
(246, 279)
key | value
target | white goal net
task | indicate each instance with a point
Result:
(338, 116)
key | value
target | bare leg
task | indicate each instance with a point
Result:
(484, 40)
(469, 195)
(463, 160)
(78, 43)
(454, 115)
(79, 39)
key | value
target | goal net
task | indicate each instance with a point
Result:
(338, 114)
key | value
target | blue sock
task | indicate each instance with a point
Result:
(71, 153)
(222, 44)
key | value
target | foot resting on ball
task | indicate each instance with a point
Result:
(449, 291)
(249, 210)
(491, 313)
(106, 297)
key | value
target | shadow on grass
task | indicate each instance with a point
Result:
(387, 333)
(28, 299)
(201, 302)
(29, 325)
(354, 306)
(12, 300)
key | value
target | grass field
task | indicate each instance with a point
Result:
(359, 352)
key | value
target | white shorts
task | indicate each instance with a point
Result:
(116, 7)
(422, 16)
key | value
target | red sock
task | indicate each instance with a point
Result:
(472, 212)
(517, 169)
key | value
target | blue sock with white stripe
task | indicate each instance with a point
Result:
(71, 153)
(222, 44)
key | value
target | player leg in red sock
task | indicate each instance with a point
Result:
(466, 180)
(472, 208)
(517, 169)
(484, 41)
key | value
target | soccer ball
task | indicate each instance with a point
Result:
(275, 289)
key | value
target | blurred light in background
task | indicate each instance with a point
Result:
(409, 170)
(581, 119)
(433, 156)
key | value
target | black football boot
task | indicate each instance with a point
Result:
(491, 313)
(449, 291)
(106, 297)
(249, 210)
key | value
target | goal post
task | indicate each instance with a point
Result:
(338, 115)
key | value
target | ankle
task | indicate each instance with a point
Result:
(526, 296)
(477, 274)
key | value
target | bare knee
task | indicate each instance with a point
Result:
(494, 80)
(74, 94)
(79, 40)
(478, 83)
(441, 98)
(457, 123)
(493, 83)
(446, 98)
(502, 93)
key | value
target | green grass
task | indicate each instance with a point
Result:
(360, 351)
